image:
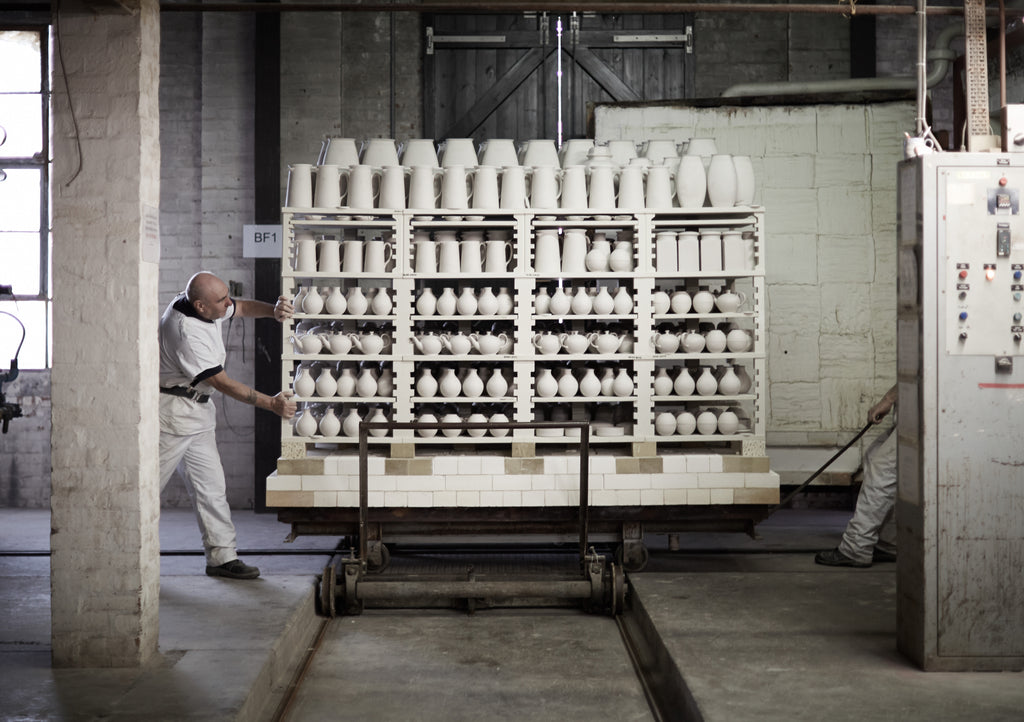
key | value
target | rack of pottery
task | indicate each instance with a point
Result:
(525, 282)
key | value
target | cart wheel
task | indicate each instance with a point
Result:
(385, 560)
(637, 561)
(328, 597)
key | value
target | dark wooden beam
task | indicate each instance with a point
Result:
(267, 201)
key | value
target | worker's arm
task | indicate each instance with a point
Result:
(281, 404)
(879, 410)
(248, 308)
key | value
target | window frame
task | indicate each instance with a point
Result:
(41, 162)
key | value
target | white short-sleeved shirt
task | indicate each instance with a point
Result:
(191, 351)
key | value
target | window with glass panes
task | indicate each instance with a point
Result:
(24, 196)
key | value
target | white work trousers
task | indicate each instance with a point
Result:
(198, 461)
(873, 522)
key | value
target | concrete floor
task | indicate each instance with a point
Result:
(757, 630)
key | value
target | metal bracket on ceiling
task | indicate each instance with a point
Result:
(689, 40)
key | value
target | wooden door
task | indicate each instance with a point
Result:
(496, 76)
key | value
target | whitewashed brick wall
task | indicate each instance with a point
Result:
(827, 178)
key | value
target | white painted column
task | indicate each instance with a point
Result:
(105, 564)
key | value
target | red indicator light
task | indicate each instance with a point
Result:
(1002, 181)
(963, 274)
(990, 273)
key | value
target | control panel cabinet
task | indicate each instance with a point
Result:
(960, 507)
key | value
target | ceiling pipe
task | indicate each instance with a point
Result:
(519, 6)
(921, 82)
(941, 57)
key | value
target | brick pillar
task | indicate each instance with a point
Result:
(105, 564)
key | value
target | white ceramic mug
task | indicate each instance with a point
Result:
(513, 187)
(574, 187)
(545, 187)
(631, 187)
(470, 255)
(574, 251)
(305, 255)
(328, 187)
(424, 187)
(539, 152)
(458, 151)
(363, 186)
(418, 151)
(299, 193)
(341, 152)
(330, 256)
(485, 187)
(425, 252)
(376, 255)
(546, 254)
(498, 152)
(392, 186)
(601, 193)
(352, 255)
(379, 152)
(497, 256)
(456, 187)
(448, 260)
(659, 187)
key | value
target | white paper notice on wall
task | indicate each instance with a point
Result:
(261, 241)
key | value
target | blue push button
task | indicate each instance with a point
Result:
(963, 315)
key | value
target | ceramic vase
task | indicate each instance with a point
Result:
(449, 384)
(426, 304)
(472, 384)
(366, 384)
(544, 384)
(426, 384)
(326, 384)
(686, 423)
(706, 385)
(722, 182)
(427, 419)
(662, 383)
(496, 386)
(746, 183)
(305, 423)
(665, 424)
(466, 304)
(335, 303)
(707, 423)
(350, 425)
(729, 384)
(603, 303)
(447, 302)
(623, 385)
(378, 416)
(498, 419)
(691, 182)
(346, 383)
(568, 386)
(623, 302)
(590, 385)
(684, 384)
(357, 303)
(304, 385)
(381, 304)
(330, 424)
(312, 302)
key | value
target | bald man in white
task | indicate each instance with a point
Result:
(191, 369)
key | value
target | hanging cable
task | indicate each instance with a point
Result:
(67, 91)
